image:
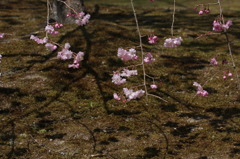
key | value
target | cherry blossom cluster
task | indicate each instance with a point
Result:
(218, 26)
(77, 59)
(50, 30)
(65, 53)
(173, 42)
(213, 61)
(80, 18)
(38, 40)
(170, 42)
(130, 54)
(129, 94)
(149, 58)
(200, 90)
(127, 55)
(50, 46)
(152, 39)
(204, 11)
(58, 25)
(118, 77)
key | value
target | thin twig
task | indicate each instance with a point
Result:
(173, 20)
(68, 6)
(232, 58)
(149, 94)
(220, 10)
(48, 15)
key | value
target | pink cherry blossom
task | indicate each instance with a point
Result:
(218, 26)
(58, 25)
(65, 54)
(115, 96)
(152, 39)
(229, 74)
(85, 19)
(55, 32)
(200, 91)
(2, 35)
(69, 14)
(127, 55)
(153, 86)
(81, 14)
(224, 77)
(214, 61)
(82, 19)
(130, 94)
(117, 79)
(206, 11)
(227, 25)
(67, 46)
(39, 41)
(50, 46)
(128, 73)
(74, 65)
(49, 29)
(77, 59)
(173, 42)
(149, 58)
(201, 12)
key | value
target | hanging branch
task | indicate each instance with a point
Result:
(141, 47)
(142, 54)
(228, 42)
(173, 16)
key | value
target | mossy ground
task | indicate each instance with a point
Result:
(50, 111)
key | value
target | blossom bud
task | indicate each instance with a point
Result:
(2, 35)
(206, 11)
(68, 15)
(153, 86)
(201, 12)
